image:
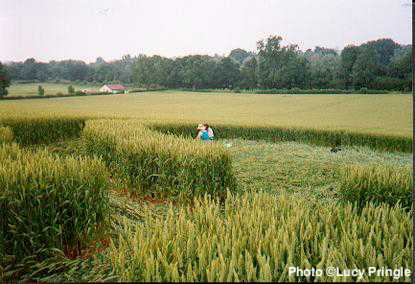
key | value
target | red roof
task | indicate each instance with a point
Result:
(116, 87)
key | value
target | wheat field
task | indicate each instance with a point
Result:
(30, 89)
(113, 188)
(378, 114)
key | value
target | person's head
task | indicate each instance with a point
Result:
(206, 126)
(201, 127)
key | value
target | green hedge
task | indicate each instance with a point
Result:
(46, 129)
(48, 203)
(293, 91)
(313, 136)
(377, 184)
(159, 164)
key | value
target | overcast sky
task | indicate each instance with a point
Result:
(80, 29)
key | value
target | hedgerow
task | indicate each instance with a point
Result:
(295, 91)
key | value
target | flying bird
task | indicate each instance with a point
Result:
(103, 11)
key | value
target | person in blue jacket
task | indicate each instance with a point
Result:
(204, 133)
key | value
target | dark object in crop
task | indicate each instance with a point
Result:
(335, 149)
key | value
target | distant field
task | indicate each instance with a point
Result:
(50, 88)
(380, 114)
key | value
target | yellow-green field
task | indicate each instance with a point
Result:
(379, 114)
(50, 88)
(132, 197)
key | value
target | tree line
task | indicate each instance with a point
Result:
(72, 70)
(380, 64)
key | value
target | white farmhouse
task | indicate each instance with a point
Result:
(114, 89)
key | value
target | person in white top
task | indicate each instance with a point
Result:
(210, 131)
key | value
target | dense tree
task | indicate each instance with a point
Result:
(348, 57)
(124, 69)
(71, 89)
(384, 49)
(239, 55)
(322, 51)
(175, 77)
(280, 66)
(199, 71)
(249, 73)
(4, 81)
(382, 64)
(325, 68)
(99, 60)
(40, 91)
(143, 70)
(269, 61)
(103, 72)
(294, 73)
(70, 70)
(401, 64)
(228, 74)
(365, 67)
(153, 70)
(29, 69)
(14, 70)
